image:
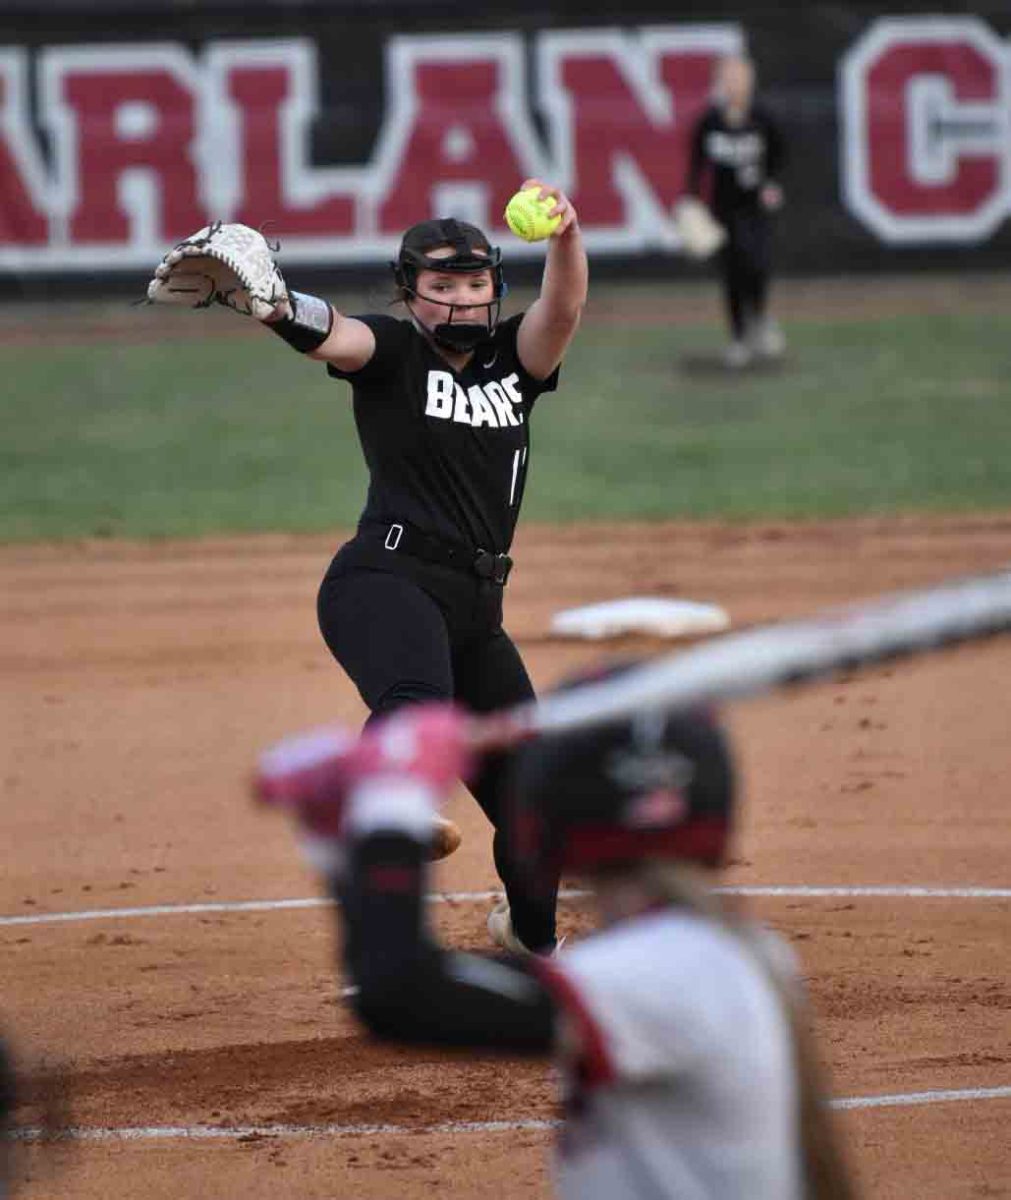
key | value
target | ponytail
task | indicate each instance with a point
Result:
(826, 1175)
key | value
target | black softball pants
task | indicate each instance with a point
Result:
(746, 265)
(408, 631)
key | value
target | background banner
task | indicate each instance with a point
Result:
(332, 133)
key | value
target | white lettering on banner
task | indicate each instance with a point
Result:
(151, 141)
(24, 212)
(474, 85)
(260, 99)
(137, 145)
(114, 187)
(620, 107)
(479, 405)
(926, 108)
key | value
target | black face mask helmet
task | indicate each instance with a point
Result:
(656, 786)
(471, 252)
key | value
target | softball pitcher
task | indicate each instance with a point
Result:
(678, 1026)
(411, 606)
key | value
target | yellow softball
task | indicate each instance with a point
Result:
(528, 217)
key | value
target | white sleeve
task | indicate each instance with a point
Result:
(653, 998)
(634, 1011)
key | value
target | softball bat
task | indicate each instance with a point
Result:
(769, 657)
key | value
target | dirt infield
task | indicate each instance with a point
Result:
(206, 1053)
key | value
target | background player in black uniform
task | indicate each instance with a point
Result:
(736, 159)
(411, 607)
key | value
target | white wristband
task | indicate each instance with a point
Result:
(392, 803)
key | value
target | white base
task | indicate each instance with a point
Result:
(653, 615)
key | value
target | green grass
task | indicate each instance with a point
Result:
(912, 413)
(196, 436)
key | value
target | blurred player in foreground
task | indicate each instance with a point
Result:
(679, 1026)
(738, 144)
(6, 1111)
(44, 1094)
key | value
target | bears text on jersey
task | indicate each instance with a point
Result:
(488, 404)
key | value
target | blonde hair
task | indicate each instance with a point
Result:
(826, 1175)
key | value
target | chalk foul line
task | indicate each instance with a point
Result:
(913, 892)
(238, 1133)
(211, 907)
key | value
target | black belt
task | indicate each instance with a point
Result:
(406, 540)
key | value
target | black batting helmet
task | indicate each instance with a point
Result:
(653, 786)
(471, 252)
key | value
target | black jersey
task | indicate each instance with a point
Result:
(743, 158)
(446, 450)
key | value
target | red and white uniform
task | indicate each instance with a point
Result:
(654, 1109)
(670, 1029)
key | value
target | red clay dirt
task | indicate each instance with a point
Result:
(141, 681)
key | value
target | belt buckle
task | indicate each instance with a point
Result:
(495, 567)
(396, 532)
